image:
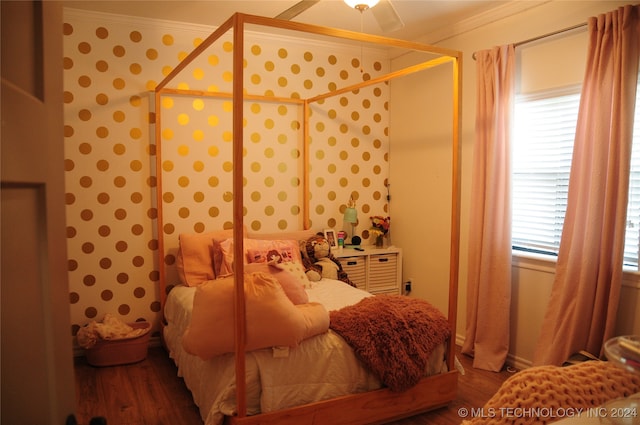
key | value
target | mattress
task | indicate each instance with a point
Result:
(320, 368)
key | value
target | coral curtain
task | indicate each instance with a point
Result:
(489, 267)
(584, 298)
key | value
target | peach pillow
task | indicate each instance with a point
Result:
(196, 255)
(291, 283)
(272, 320)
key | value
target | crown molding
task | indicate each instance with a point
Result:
(498, 13)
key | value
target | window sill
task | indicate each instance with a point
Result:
(547, 264)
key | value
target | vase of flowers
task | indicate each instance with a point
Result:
(380, 229)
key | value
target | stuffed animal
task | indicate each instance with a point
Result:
(319, 262)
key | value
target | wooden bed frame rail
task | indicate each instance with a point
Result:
(364, 408)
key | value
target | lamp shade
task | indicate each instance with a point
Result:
(351, 215)
(361, 4)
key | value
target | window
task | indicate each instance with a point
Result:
(544, 131)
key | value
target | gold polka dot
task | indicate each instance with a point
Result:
(198, 197)
(135, 68)
(282, 53)
(136, 197)
(135, 36)
(120, 214)
(102, 99)
(72, 265)
(295, 69)
(308, 56)
(86, 181)
(152, 54)
(105, 263)
(84, 81)
(227, 46)
(167, 40)
(119, 181)
(84, 114)
(102, 132)
(90, 312)
(104, 230)
(198, 104)
(102, 66)
(119, 149)
(118, 83)
(103, 198)
(106, 295)
(84, 47)
(137, 229)
(119, 51)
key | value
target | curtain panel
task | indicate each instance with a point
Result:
(489, 267)
(585, 294)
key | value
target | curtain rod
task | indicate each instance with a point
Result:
(540, 37)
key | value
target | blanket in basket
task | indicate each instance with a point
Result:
(392, 335)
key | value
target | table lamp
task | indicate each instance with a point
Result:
(351, 217)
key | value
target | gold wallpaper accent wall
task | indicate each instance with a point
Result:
(111, 65)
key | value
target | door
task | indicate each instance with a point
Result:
(37, 385)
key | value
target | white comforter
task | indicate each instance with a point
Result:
(320, 368)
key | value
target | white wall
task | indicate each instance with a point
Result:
(420, 169)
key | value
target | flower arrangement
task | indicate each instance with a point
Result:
(379, 225)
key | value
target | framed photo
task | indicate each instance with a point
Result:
(330, 236)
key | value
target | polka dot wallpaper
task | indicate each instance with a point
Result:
(112, 64)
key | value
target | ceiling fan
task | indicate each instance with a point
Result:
(384, 12)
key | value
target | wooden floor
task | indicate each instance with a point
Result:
(150, 393)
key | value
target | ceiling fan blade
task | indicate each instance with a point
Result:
(296, 9)
(387, 17)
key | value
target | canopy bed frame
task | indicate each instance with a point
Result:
(377, 406)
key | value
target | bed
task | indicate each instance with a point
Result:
(248, 392)
(277, 378)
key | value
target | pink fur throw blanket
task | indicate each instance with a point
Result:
(392, 335)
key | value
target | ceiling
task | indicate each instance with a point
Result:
(419, 16)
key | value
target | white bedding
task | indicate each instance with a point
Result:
(320, 368)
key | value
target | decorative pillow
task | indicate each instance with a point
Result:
(257, 251)
(272, 320)
(291, 282)
(295, 272)
(276, 251)
(193, 261)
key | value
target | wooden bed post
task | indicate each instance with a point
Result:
(305, 167)
(454, 262)
(157, 119)
(238, 212)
